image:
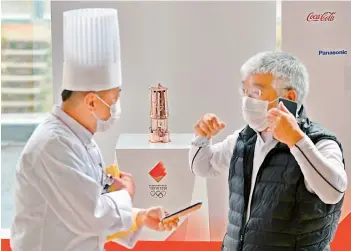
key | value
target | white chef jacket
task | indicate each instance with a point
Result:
(59, 205)
(326, 157)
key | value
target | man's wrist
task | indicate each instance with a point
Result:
(140, 217)
(129, 193)
(295, 138)
(200, 141)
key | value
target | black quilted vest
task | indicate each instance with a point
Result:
(285, 216)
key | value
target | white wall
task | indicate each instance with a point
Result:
(328, 101)
(194, 48)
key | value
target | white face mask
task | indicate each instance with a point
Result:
(115, 112)
(255, 113)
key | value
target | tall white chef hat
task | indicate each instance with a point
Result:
(91, 44)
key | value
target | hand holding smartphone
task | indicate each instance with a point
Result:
(183, 212)
(290, 105)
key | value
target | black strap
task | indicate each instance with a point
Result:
(192, 162)
(318, 171)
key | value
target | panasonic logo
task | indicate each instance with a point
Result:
(324, 53)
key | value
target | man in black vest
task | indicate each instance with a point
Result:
(286, 173)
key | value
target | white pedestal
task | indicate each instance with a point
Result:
(179, 188)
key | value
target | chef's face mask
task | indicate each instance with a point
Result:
(115, 112)
(255, 112)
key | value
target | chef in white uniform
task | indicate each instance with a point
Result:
(62, 201)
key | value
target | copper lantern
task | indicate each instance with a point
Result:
(159, 132)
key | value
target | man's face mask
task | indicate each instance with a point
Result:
(255, 112)
(115, 112)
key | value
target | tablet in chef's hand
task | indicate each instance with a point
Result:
(182, 212)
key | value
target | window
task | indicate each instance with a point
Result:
(26, 86)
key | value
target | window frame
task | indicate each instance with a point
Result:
(39, 15)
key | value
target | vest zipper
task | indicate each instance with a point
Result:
(241, 242)
(246, 196)
(242, 234)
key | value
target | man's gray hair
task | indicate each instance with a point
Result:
(287, 70)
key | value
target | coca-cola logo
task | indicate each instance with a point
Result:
(325, 17)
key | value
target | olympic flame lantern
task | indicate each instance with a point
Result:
(159, 132)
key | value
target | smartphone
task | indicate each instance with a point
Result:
(291, 105)
(182, 212)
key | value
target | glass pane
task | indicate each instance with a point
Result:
(26, 86)
(16, 8)
(9, 156)
(47, 9)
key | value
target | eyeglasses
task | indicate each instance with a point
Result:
(251, 92)
(254, 92)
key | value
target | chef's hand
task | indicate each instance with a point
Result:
(152, 218)
(208, 126)
(125, 182)
(283, 126)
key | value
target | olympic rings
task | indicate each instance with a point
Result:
(158, 194)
